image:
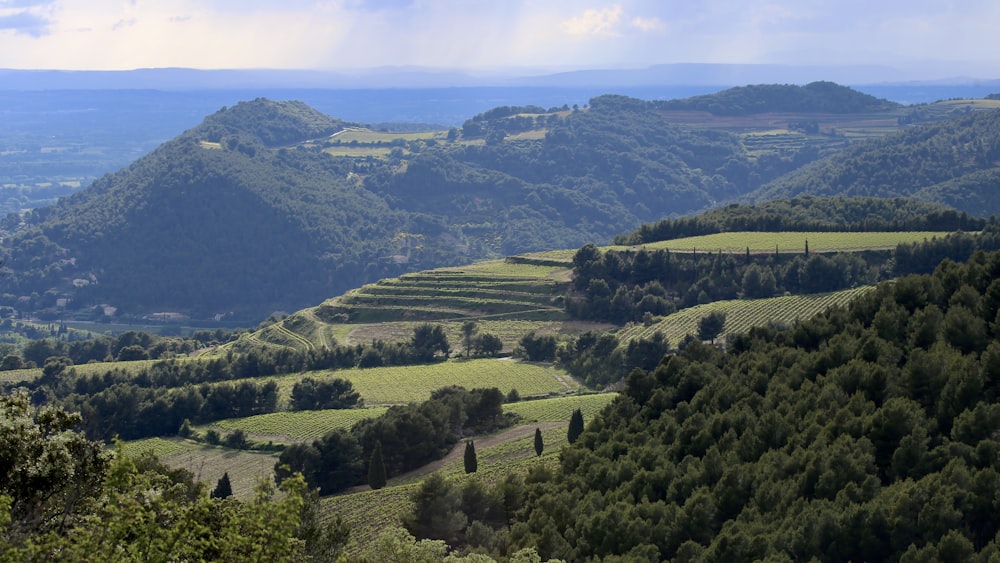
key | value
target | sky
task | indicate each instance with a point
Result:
(937, 37)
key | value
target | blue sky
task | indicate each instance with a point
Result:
(934, 38)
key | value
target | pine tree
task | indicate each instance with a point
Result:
(539, 446)
(471, 463)
(223, 489)
(376, 468)
(575, 426)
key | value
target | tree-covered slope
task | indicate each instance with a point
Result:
(941, 162)
(819, 97)
(868, 434)
(246, 213)
(211, 222)
(811, 213)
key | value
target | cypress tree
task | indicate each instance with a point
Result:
(575, 426)
(471, 463)
(539, 446)
(223, 489)
(376, 468)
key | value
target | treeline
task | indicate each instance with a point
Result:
(128, 346)
(155, 400)
(811, 214)
(622, 287)
(626, 286)
(866, 433)
(409, 436)
(818, 97)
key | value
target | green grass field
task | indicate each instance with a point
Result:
(408, 384)
(789, 242)
(288, 427)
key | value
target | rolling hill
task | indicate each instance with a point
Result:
(953, 162)
(272, 206)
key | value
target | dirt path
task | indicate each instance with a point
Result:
(482, 442)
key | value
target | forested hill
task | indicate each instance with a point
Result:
(811, 213)
(248, 212)
(954, 162)
(865, 434)
(267, 206)
(211, 222)
(820, 97)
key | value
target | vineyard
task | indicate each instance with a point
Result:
(409, 384)
(208, 463)
(790, 242)
(743, 314)
(293, 426)
(558, 409)
(497, 291)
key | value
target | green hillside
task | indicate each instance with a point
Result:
(505, 298)
(271, 205)
(944, 162)
(817, 97)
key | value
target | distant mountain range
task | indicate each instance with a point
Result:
(270, 205)
(719, 75)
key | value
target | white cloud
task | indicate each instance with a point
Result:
(596, 22)
(648, 24)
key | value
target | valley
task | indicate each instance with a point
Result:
(774, 348)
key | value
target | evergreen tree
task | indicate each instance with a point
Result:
(711, 325)
(223, 489)
(575, 426)
(376, 468)
(539, 446)
(471, 463)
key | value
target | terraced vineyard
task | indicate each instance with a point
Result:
(491, 293)
(743, 314)
(766, 242)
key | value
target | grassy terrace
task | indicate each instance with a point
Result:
(789, 242)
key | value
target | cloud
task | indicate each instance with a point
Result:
(25, 22)
(648, 24)
(595, 22)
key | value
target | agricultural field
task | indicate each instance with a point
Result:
(743, 314)
(789, 242)
(246, 468)
(369, 137)
(499, 294)
(19, 375)
(559, 409)
(407, 384)
(369, 512)
(288, 427)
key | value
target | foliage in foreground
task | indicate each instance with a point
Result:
(64, 497)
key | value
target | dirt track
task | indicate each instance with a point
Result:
(482, 442)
